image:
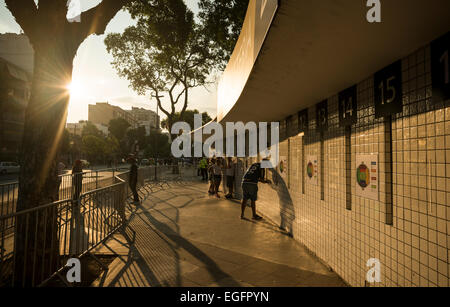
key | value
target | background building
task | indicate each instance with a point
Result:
(146, 118)
(16, 49)
(15, 88)
(103, 112)
(16, 68)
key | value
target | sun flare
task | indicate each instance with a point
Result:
(74, 88)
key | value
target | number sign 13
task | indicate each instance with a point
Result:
(348, 106)
(388, 90)
(322, 115)
(440, 68)
(303, 120)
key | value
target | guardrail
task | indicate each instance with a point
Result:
(92, 180)
(8, 198)
(35, 244)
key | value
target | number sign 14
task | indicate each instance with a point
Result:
(348, 106)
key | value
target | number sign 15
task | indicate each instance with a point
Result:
(348, 106)
(440, 68)
(388, 90)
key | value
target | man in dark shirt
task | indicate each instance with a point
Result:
(133, 179)
(250, 188)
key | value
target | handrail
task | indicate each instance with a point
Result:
(76, 228)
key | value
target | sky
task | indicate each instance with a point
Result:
(94, 78)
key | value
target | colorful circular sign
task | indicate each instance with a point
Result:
(363, 176)
(310, 170)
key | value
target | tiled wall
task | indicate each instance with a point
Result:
(407, 231)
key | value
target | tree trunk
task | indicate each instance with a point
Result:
(37, 233)
(55, 42)
(169, 127)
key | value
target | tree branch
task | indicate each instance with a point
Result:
(158, 100)
(172, 102)
(25, 13)
(179, 95)
(186, 96)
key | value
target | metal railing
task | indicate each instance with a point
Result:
(35, 244)
(8, 199)
(43, 238)
(92, 180)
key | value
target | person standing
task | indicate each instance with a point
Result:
(216, 172)
(210, 174)
(133, 179)
(252, 176)
(204, 169)
(230, 171)
(77, 179)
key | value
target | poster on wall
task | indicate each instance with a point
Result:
(312, 170)
(283, 167)
(367, 185)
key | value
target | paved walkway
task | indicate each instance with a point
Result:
(183, 237)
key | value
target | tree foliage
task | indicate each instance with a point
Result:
(138, 134)
(118, 128)
(94, 147)
(222, 22)
(165, 55)
(188, 117)
(91, 129)
(157, 146)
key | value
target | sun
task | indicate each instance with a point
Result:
(74, 88)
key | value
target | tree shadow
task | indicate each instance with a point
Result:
(133, 257)
(221, 278)
(165, 239)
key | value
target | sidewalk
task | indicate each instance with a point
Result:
(183, 237)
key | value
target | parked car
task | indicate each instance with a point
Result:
(9, 167)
